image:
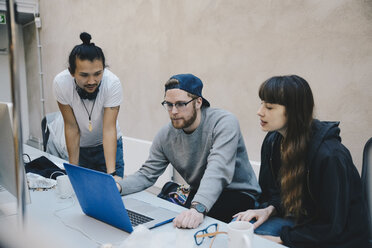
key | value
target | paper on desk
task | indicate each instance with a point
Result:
(36, 181)
(142, 237)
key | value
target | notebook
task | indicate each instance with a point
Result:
(99, 198)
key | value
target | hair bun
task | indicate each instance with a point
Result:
(85, 37)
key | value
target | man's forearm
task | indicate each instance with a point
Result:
(72, 133)
(72, 136)
(109, 149)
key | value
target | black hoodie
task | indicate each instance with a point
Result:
(336, 210)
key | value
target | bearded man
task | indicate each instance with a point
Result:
(206, 147)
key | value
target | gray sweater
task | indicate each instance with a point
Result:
(211, 159)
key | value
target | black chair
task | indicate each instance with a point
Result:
(367, 182)
(44, 133)
(48, 118)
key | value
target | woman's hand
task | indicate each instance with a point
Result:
(273, 238)
(261, 215)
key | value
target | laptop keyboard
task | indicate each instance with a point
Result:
(137, 219)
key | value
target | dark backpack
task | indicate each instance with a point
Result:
(174, 193)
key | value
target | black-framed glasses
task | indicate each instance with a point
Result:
(179, 105)
(210, 231)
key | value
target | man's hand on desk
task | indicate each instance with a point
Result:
(117, 178)
(188, 219)
(119, 187)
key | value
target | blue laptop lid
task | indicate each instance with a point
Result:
(99, 196)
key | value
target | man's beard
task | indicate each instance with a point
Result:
(85, 94)
(186, 123)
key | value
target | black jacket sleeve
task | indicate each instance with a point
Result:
(267, 178)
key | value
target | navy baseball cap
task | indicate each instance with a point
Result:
(190, 84)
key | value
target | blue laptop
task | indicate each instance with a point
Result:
(99, 198)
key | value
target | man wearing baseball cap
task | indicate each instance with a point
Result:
(206, 147)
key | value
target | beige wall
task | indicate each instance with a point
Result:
(232, 46)
(33, 82)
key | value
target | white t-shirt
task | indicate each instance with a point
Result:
(109, 95)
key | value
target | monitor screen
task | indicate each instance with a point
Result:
(7, 155)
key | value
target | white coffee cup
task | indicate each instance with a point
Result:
(64, 187)
(240, 234)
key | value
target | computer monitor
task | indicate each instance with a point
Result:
(7, 155)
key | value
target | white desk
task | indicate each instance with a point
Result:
(41, 213)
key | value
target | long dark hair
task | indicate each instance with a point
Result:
(294, 93)
(85, 51)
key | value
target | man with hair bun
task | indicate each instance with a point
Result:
(89, 98)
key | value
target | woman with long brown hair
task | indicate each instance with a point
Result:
(311, 190)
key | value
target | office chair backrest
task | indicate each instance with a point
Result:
(48, 118)
(52, 128)
(44, 132)
(367, 182)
